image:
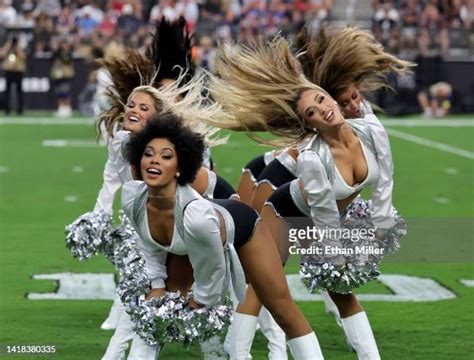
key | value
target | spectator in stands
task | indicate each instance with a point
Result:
(42, 35)
(163, 8)
(14, 67)
(410, 13)
(128, 23)
(437, 101)
(386, 19)
(433, 32)
(86, 23)
(62, 75)
(205, 53)
(108, 24)
(8, 13)
(319, 10)
(66, 21)
(50, 7)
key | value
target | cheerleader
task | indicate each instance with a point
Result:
(143, 103)
(263, 88)
(129, 70)
(347, 63)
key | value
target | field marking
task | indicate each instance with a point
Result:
(404, 288)
(71, 143)
(451, 171)
(87, 286)
(77, 287)
(431, 143)
(77, 169)
(46, 121)
(4, 169)
(428, 123)
(468, 283)
(70, 198)
(441, 200)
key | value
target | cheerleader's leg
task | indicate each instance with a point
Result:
(261, 262)
(247, 181)
(261, 193)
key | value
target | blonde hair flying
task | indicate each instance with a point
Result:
(258, 86)
(189, 103)
(338, 58)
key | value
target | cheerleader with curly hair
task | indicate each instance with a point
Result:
(224, 239)
(263, 88)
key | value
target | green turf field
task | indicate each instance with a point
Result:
(43, 188)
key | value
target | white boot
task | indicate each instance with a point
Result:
(275, 335)
(361, 337)
(306, 347)
(113, 318)
(119, 341)
(240, 336)
(140, 350)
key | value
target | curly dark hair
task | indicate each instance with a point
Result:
(188, 145)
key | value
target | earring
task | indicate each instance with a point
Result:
(178, 174)
(315, 130)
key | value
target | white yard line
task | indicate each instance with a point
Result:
(431, 143)
(71, 143)
(428, 123)
(45, 121)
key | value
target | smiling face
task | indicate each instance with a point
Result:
(319, 110)
(159, 163)
(350, 102)
(139, 109)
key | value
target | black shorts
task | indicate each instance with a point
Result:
(276, 174)
(283, 204)
(256, 166)
(223, 189)
(245, 218)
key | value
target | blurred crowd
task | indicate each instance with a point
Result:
(424, 27)
(64, 30)
(90, 26)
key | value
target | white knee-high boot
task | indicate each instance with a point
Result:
(113, 318)
(119, 341)
(275, 335)
(240, 336)
(140, 350)
(306, 347)
(361, 337)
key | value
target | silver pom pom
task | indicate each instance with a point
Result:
(359, 267)
(337, 278)
(168, 319)
(85, 235)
